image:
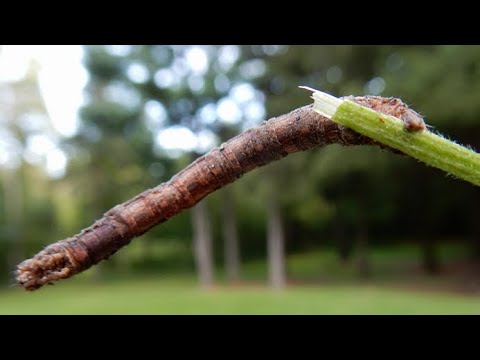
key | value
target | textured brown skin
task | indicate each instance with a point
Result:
(299, 130)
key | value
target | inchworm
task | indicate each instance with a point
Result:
(299, 130)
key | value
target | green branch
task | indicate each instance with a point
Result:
(423, 145)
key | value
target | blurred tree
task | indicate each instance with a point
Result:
(137, 93)
(337, 69)
(437, 80)
(202, 242)
(110, 127)
(224, 93)
(275, 232)
(230, 235)
(14, 217)
(442, 82)
(199, 91)
(22, 107)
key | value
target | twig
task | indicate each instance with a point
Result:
(410, 136)
(299, 130)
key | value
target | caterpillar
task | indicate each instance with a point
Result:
(299, 130)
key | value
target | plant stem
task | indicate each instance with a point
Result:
(430, 148)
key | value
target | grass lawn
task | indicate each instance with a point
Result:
(181, 296)
(321, 285)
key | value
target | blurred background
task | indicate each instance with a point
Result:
(333, 230)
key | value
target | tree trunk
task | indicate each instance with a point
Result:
(475, 243)
(202, 242)
(230, 235)
(430, 261)
(343, 242)
(276, 242)
(13, 202)
(475, 229)
(429, 255)
(362, 243)
(97, 185)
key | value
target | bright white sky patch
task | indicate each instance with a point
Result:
(137, 73)
(228, 111)
(31, 122)
(56, 163)
(40, 144)
(206, 140)
(177, 138)
(164, 78)
(119, 50)
(13, 62)
(227, 56)
(37, 148)
(155, 115)
(197, 59)
(156, 110)
(255, 111)
(242, 93)
(62, 79)
(208, 113)
(122, 94)
(42, 150)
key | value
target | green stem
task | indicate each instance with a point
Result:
(425, 146)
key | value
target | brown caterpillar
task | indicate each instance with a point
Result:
(299, 130)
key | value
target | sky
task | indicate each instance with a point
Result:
(62, 78)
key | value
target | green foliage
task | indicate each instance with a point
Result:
(115, 155)
(313, 211)
(443, 82)
(109, 116)
(101, 65)
(318, 186)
